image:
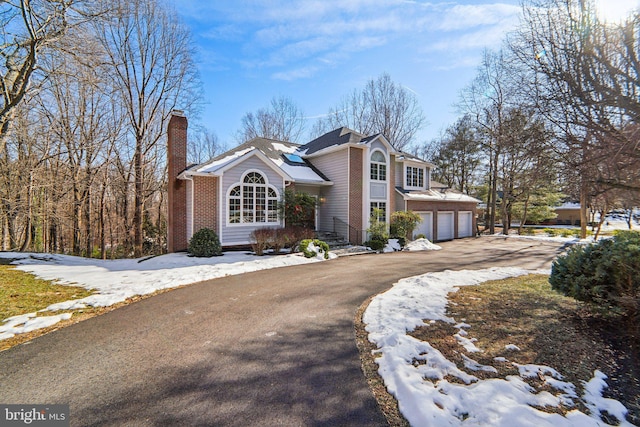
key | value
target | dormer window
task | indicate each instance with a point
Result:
(414, 177)
(378, 166)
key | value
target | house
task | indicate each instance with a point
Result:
(567, 214)
(348, 173)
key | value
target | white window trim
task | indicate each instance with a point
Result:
(366, 205)
(241, 183)
(386, 209)
(386, 166)
(424, 177)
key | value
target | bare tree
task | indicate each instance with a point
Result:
(151, 60)
(382, 106)
(203, 145)
(78, 99)
(282, 121)
(27, 28)
(585, 83)
(487, 100)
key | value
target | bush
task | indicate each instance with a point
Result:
(551, 232)
(204, 243)
(308, 253)
(403, 223)
(261, 240)
(605, 275)
(377, 243)
(565, 232)
(297, 209)
(528, 231)
(279, 239)
(295, 234)
(378, 234)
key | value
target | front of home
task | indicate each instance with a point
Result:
(349, 174)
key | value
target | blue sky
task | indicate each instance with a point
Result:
(317, 52)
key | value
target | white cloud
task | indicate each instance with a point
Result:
(468, 41)
(465, 17)
(300, 73)
(302, 37)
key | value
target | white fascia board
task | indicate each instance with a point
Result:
(332, 149)
(262, 157)
(318, 183)
(187, 174)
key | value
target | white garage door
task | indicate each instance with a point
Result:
(426, 226)
(445, 226)
(465, 224)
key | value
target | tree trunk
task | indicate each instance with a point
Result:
(29, 221)
(525, 210)
(138, 201)
(75, 220)
(101, 221)
(583, 208)
(494, 193)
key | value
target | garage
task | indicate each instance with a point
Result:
(445, 226)
(465, 224)
(426, 226)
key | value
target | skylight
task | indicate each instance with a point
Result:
(294, 158)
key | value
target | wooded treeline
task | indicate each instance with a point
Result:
(88, 87)
(552, 115)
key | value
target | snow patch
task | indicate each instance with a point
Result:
(417, 374)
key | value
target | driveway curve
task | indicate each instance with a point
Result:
(270, 348)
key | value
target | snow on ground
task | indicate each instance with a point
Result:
(415, 245)
(116, 280)
(425, 397)
(416, 373)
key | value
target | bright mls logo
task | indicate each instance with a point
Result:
(34, 415)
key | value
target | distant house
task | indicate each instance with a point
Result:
(348, 173)
(567, 214)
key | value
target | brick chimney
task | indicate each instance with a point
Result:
(177, 188)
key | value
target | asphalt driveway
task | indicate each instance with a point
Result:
(270, 348)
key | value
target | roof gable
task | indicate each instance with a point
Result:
(271, 152)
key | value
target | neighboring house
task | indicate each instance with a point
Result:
(349, 174)
(567, 214)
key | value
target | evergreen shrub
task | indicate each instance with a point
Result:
(403, 223)
(378, 232)
(204, 243)
(605, 275)
(308, 253)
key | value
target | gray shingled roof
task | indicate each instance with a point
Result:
(339, 136)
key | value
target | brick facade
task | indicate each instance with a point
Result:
(356, 183)
(205, 204)
(177, 189)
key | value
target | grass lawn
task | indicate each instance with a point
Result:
(22, 293)
(549, 329)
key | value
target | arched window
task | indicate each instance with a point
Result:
(253, 201)
(378, 166)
